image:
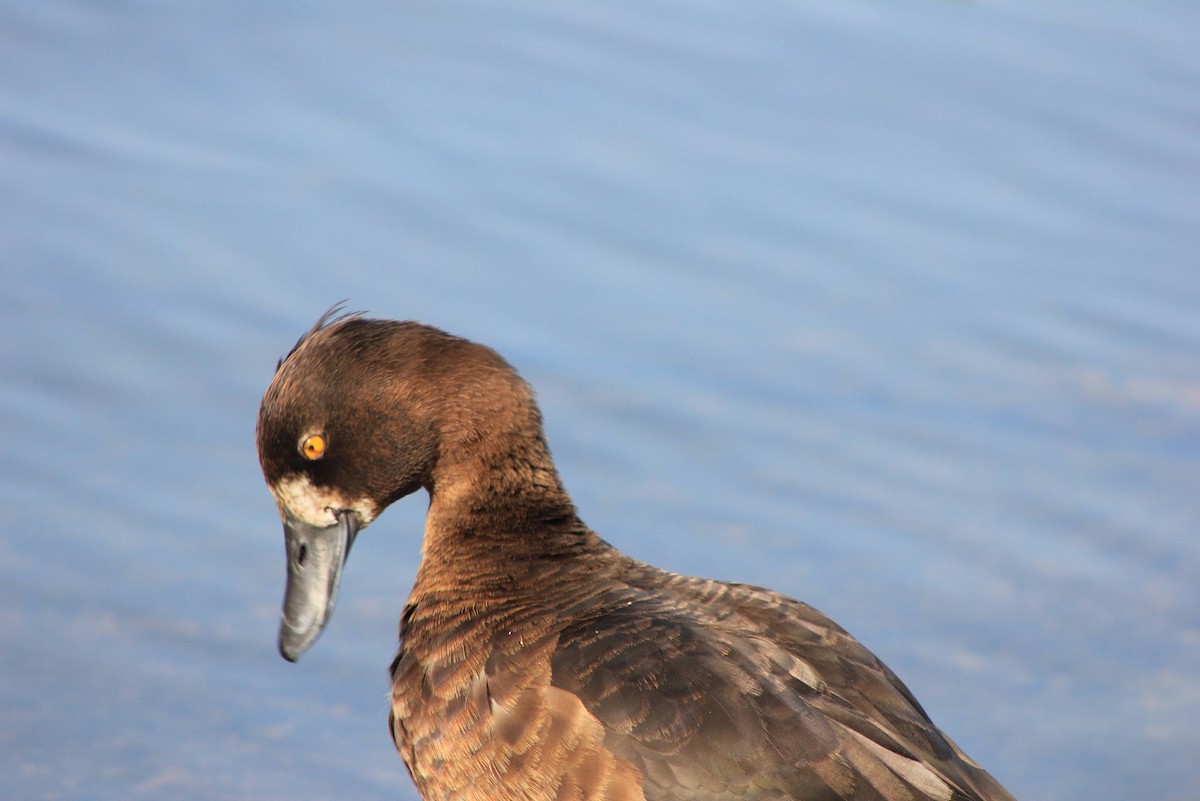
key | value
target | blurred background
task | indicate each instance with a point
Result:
(894, 307)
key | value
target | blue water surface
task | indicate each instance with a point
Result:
(894, 307)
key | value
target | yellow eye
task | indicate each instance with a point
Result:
(313, 447)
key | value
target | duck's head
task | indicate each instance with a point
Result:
(359, 414)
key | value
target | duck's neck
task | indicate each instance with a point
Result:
(497, 520)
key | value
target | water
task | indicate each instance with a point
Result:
(893, 307)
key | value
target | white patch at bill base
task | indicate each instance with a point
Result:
(314, 505)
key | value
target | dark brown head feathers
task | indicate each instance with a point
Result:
(333, 314)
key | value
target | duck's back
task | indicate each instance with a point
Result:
(625, 682)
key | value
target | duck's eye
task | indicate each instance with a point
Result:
(312, 447)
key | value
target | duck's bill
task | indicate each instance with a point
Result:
(315, 557)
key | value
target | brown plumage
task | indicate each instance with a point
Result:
(537, 661)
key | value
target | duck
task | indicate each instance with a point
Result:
(537, 661)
